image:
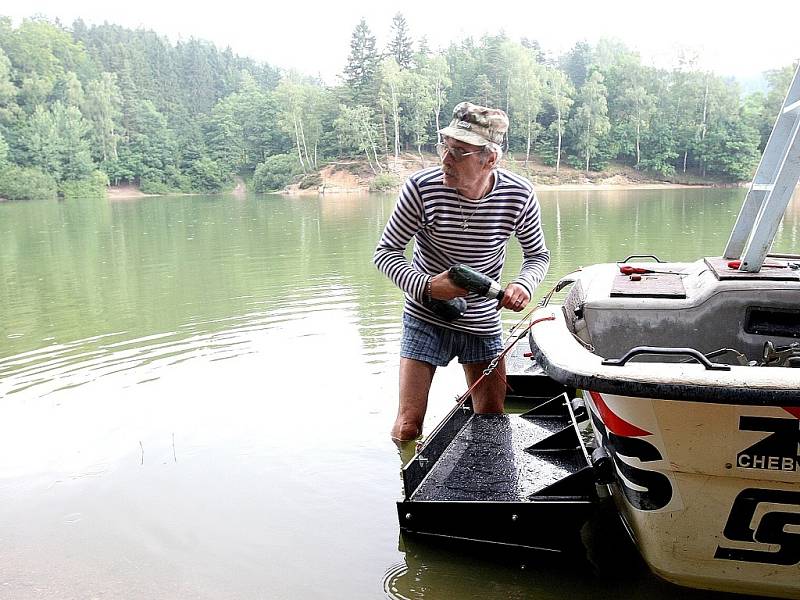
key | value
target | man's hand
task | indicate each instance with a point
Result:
(443, 288)
(516, 298)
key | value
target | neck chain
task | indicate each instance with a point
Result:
(465, 219)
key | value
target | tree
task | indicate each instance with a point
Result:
(73, 150)
(525, 94)
(103, 109)
(731, 149)
(357, 131)
(7, 88)
(590, 123)
(400, 45)
(148, 150)
(363, 65)
(299, 103)
(558, 95)
(56, 141)
(575, 63)
(419, 101)
(637, 107)
(3, 152)
(435, 74)
(778, 81)
(392, 88)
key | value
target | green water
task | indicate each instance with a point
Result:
(196, 394)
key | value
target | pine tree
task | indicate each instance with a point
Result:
(400, 45)
(363, 64)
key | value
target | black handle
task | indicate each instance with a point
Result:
(475, 281)
(619, 362)
(448, 310)
(653, 256)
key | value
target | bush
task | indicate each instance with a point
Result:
(385, 182)
(26, 183)
(93, 186)
(275, 172)
(310, 180)
(154, 186)
(206, 175)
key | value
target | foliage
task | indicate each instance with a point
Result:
(363, 65)
(312, 180)
(275, 173)
(385, 182)
(191, 117)
(26, 183)
(3, 152)
(590, 124)
(206, 175)
(400, 45)
(93, 186)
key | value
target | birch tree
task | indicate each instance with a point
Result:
(638, 107)
(525, 94)
(590, 123)
(356, 129)
(558, 95)
(391, 89)
(420, 100)
(436, 75)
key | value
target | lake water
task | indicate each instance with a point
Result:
(196, 394)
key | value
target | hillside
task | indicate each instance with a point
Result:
(356, 176)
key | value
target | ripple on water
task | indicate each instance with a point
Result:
(64, 366)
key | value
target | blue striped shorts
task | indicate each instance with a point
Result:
(438, 345)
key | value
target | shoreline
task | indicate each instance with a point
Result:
(132, 193)
(353, 176)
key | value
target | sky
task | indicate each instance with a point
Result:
(313, 37)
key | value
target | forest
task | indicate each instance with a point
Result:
(83, 107)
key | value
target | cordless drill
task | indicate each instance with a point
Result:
(471, 280)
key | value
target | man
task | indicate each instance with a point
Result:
(460, 213)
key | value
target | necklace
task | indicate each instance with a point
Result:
(464, 218)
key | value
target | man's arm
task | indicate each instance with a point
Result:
(536, 256)
(406, 220)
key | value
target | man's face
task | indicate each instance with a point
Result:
(468, 172)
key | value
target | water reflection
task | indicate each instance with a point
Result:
(437, 569)
(196, 394)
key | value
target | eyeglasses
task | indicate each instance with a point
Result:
(457, 153)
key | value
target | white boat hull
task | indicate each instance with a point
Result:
(706, 461)
(707, 507)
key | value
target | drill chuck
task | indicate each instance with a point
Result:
(476, 282)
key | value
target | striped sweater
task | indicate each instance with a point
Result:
(433, 215)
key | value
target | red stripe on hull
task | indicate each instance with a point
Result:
(617, 425)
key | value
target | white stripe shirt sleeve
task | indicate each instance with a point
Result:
(406, 220)
(536, 256)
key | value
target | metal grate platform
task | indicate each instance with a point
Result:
(521, 479)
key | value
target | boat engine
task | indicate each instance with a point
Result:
(781, 356)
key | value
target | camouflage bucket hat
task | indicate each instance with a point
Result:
(477, 125)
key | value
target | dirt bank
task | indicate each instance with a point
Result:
(125, 192)
(356, 176)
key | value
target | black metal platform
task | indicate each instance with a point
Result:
(522, 479)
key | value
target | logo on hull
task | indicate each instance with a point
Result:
(644, 489)
(779, 451)
(767, 519)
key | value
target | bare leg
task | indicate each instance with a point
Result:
(415, 383)
(490, 395)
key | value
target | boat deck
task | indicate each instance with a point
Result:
(523, 478)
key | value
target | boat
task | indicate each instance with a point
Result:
(690, 372)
